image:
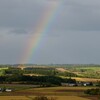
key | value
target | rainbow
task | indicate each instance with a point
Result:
(41, 29)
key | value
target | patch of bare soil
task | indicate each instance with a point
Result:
(61, 69)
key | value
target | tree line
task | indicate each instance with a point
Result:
(40, 80)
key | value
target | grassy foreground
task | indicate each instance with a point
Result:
(31, 98)
(60, 93)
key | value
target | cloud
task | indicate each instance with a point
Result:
(19, 31)
(78, 16)
(72, 35)
(21, 15)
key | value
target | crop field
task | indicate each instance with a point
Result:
(85, 71)
(27, 91)
(32, 97)
(21, 90)
(60, 93)
(83, 79)
(86, 79)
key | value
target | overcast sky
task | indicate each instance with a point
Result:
(73, 37)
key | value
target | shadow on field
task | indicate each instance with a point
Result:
(31, 98)
(40, 97)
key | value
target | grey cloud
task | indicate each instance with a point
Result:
(72, 15)
(19, 31)
(74, 47)
(72, 35)
(20, 13)
(78, 16)
(75, 15)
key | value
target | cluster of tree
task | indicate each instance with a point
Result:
(93, 91)
(48, 71)
(40, 80)
(88, 72)
(42, 71)
(67, 74)
(12, 71)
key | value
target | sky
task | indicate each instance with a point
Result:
(73, 36)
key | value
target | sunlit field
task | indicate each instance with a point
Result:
(59, 93)
(32, 97)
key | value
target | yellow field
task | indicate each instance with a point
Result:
(53, 89)
(31, 97)
(62, 69)
(83, 79)
(86, 79)
(57, 91)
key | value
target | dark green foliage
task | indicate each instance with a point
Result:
(11, 71)
(87, 71)
(98, 83)
(67, 74)
(40, 98)
(69, 80)
(40, 80)
(93, 91)
(42, 71)
(2, 79)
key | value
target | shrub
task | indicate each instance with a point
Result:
(44, 98)
(93, 91)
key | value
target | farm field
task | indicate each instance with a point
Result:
(32, 97)
(85, 71)
(61, 93)
(83, 79)
(31, 82)
(21, 90)
(86, 79)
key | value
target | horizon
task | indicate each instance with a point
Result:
(52, 64)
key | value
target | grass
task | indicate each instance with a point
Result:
(86, 71)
